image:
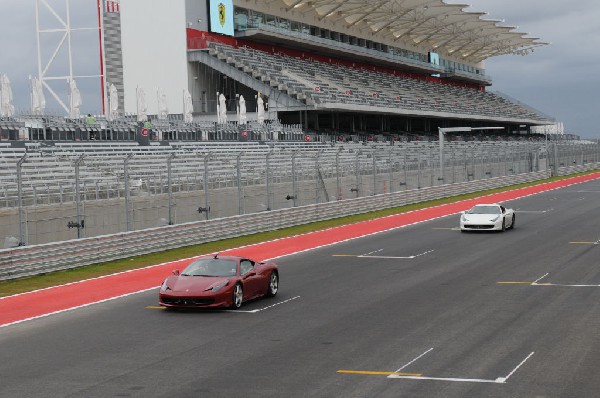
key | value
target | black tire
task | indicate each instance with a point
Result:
(273, 287)
(503, 224)
(237, 296)
(514, 218)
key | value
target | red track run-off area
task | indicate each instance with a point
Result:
(22, 307)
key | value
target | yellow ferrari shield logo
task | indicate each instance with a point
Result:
(222, 14)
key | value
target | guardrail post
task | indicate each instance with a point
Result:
(294, 180)
(374, 173)
(337, 174)
(442, 160)
(22, 238)
(78, 196)
(419, 166)
(128, 217)
(169, 188)
(268, 179)
(472, 163)
(555, 160)
(205, 183)
(391, 173)
(404, 166)
(453, 166)
(239, 183)
(357, 173)
(317, 177)
(431, 168)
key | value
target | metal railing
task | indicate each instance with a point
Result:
(64, 194)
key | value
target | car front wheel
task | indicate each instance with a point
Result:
(237, 296)
(512, 225)
(273, 284)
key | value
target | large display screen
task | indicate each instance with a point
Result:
(221, 16)
(434, 58)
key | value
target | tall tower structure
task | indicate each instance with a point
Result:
(111, 50)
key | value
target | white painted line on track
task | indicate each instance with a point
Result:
(537, 283)
(261, 309)
(503, 379)
(414, 360)
(498, 380)
(568, 285)
(445, 379)
(533, 211)
(539, 279)
(396, 257)
(374, 251)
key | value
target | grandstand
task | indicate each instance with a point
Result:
(341, 99)
(392, 69)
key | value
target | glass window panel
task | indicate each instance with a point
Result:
(270, 20)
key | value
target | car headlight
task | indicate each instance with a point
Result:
(218, 287)
(164, 287)
(495, 219)
(463, 217)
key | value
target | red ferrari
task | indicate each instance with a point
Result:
(219, 281)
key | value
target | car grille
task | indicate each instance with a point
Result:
(479, 226)
(188, 301)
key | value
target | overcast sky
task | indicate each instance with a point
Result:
(558, 79)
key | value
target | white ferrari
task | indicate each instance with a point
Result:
(487, 217)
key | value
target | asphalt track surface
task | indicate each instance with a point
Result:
(418, 311)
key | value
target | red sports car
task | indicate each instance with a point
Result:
(219, 281)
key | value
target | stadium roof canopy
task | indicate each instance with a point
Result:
(433, 24)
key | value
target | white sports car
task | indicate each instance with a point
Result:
(487, 217)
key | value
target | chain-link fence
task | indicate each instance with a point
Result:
(54, 195)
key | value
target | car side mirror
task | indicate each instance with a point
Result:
(176, 272)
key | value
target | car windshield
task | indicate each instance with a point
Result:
(211, 267)
(485, 210)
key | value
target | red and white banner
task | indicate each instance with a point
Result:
(113, 6)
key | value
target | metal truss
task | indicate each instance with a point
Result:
(65, 30)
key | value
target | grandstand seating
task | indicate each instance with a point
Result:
(329, 83)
